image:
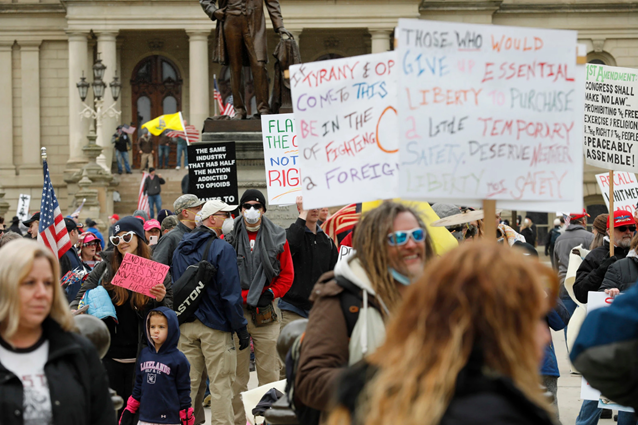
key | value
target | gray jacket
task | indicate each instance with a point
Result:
(623, 274)
(573, 236)
(163, 252)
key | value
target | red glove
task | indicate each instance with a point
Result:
(187, 416)
(128, 414)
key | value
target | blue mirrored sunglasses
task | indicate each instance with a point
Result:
(401, 237)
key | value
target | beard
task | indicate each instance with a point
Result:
(624, 243)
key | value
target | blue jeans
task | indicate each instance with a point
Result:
(163, 152)
(180, 149)
(156, 201)
(590, 414)
(122, 157)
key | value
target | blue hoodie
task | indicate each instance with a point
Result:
(162, 379)
(221, 307)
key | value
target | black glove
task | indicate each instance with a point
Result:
(127, 418)
(244, 339)
(602, 269)
(265, 298)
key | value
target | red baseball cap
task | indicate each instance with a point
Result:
(115, 216)
(152, 224)
(578, 216)
(622, 218)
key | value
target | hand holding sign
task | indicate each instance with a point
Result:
(142, 276)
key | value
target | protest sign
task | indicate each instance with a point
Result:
(345, 113)
(281, 158)
(489, 112)
(139, 274)
(611, 118)
(23, 207)
(212, 171)
(625, 190)
(345, 252)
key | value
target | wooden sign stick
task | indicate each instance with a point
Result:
(489, 218)
(611, 213)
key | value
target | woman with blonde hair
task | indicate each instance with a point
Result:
(48, 374)
(464, 347)
(392, 246)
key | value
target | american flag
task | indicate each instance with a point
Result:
(52, 229)
(218, 96)
(142, 200)
(192, 134)
(230, 109)
(341, 223)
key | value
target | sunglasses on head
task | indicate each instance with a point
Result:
(257, 206)
(126, 238)
(401, 237)
(623, 229)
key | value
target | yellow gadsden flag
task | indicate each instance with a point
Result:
(165, 122)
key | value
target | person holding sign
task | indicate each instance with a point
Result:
(131, 308)
(266, 272)
(623, 274)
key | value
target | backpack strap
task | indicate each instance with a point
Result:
(210, 242)
(351, 301)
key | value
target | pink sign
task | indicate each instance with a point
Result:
(139, 274)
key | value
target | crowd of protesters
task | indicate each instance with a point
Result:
(394, 330)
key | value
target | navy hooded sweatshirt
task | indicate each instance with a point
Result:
(221, 307)
(162, 379)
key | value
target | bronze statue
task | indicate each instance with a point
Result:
(241, 41)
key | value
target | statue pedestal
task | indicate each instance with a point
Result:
(251, 172)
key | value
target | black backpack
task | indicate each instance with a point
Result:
(189, 288)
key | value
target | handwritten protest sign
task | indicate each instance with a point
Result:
(625, 190)
(345, 111)
(281, 158)
(139, 274)
(345, 252)
(489, 112)
(212, 171)
(611, 118)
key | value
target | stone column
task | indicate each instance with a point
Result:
(107, 52)
(198, 77)
(78, 126)
(380, 40)
(30, 58)
(7, 168)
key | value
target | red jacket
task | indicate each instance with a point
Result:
(282, 283)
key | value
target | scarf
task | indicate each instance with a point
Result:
(261, 265)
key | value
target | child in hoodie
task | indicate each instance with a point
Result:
(162, 379)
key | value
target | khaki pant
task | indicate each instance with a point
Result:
(212, 351)
(266, 362)
(286, 317)
(146, 157)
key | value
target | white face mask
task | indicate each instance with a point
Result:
(252, 216)
(228, 226)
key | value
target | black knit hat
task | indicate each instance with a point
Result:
(130, 224)
(253, 195)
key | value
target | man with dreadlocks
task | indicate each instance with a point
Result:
(392, 246)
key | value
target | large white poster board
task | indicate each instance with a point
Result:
(625, 190)
(489, 112)
(281, 158)
(345, 111)
(611, 118)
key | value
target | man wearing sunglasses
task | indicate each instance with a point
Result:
(186, 208)
(591, 273)
(266, 272)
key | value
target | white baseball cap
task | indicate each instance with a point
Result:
(215, 206)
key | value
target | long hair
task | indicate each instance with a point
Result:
(120, 295)
(17, 262)
(481, 295)
(600, 224)
(371, 243)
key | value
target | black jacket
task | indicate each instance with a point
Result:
(122, 142)
(163, 252)
(70, 261)
(312, 255)
(592, 270)
(477, 400)
(152, 185)
(623, 274)
(77, 383)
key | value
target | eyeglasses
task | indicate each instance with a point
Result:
(223, 215)
(623, 229)
(401, 237)
(247, 206)
(126, 238)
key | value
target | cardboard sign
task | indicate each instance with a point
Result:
(489, 112)
(345, 111)
(139, 274)
(611, 117)
(625, 190)
(281, 158)
(212, 171)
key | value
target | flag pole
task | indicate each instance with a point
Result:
(215, 103)
(43, 153)
(611, 213)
